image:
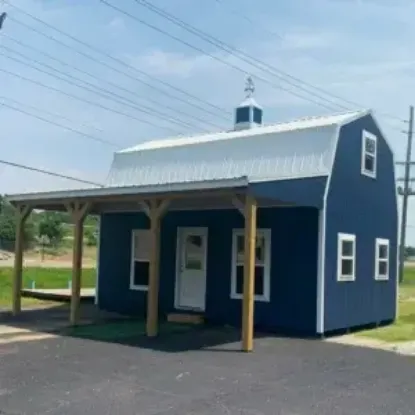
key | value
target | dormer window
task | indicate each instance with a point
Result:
(369, 154)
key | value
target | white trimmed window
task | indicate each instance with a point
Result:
(382, 259)
(346, 257)
(262, 264)
(140, 259)
(369, 154)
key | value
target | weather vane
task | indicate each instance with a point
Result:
(249, 87)
(2, 19)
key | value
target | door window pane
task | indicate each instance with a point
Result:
(193, 252)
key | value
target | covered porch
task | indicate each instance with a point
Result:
(154, 202)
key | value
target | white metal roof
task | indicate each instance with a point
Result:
(300, 148)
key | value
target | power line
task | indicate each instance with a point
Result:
(219, 111)
(292, 80)
(100, 91)
(149, 99)
(235, 51)
(86, 135)
(52, 114)
(96, 104)
(49, 173)
(272, 33)
(217, 58)
(277, 35)
(250, 20)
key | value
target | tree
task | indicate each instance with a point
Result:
(409, 251)
(91, 236)
(8, 226)
(50, 226)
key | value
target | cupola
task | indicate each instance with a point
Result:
(248, 114)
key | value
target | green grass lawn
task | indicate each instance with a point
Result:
(44, 278)
(404, 328)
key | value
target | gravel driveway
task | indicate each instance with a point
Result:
(201, 372)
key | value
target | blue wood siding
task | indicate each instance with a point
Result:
(365, 207)
(302, 192)
(293, 265)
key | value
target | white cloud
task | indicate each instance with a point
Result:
(304, 38)
(117, 23)
(159, 62)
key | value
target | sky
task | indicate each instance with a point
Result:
(137, 83)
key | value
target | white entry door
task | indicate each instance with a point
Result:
(191, 268)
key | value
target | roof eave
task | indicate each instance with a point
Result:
(120, 191)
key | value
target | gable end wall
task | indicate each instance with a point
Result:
(365, 207)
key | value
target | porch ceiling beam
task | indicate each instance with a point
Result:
(145, 207)
(22, 213)
(238, 203)
(249, 274)
(78, 212)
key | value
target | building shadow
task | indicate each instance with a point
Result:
(97, 325)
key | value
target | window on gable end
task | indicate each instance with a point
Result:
(382, 259)
(369, 154)
(346, 257)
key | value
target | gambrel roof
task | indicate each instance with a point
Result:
(302, 148)
(297, 149)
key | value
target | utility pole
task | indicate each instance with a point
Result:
(405, 193)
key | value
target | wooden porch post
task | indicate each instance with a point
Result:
(155, 212)
(249, 274)
(22, 213)
(78, 212)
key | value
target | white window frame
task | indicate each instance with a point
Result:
(345, 237)
(266, 234)
(381, 242)
(133, 286)
(366, 135)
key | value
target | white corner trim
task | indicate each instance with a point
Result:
(132, 261)
(382, 242)
(266, 233)
(345, 237)
(368, 135)
(96, 299)
(320, 271)
(321, 257)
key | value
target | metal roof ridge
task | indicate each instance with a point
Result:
(258, 130)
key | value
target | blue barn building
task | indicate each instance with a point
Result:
(326, 224)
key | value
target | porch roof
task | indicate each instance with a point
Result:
(125, 197)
